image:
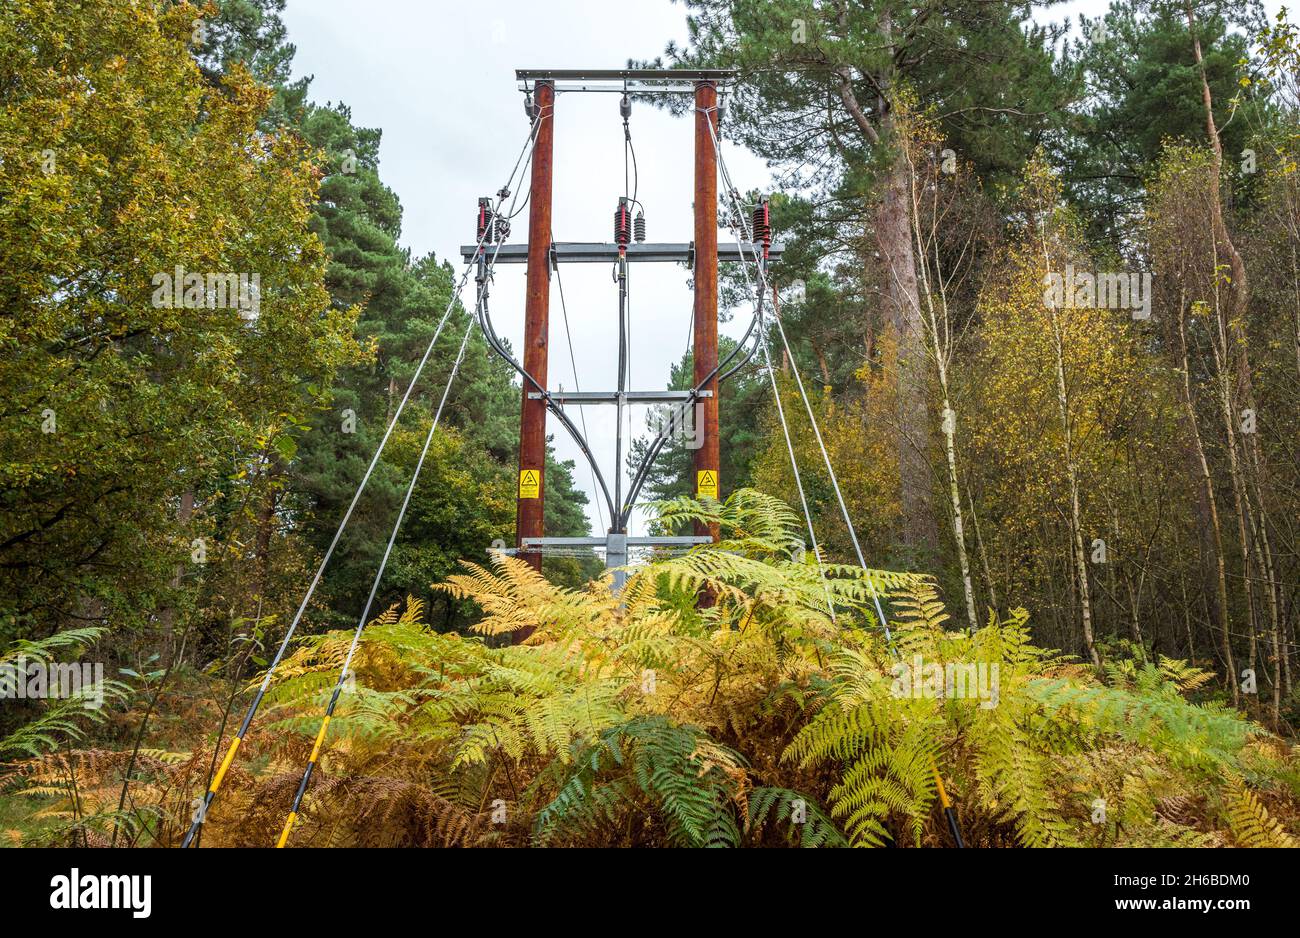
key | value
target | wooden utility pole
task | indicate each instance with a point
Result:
(532, 412)
(705, 349)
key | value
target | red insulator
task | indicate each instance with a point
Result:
(763, 223)
(486, 228)
(623, 224)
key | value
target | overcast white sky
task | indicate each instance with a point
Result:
(438, 79)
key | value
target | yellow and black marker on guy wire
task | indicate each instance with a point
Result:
(200, 815)
(948, 810)
(311, 762)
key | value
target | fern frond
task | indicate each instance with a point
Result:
(1250, 821)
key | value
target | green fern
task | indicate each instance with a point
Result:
(772, 806)
(689, 780)
(64, 719)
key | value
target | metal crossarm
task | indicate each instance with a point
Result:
(612, 397)
(634, 81)
(624, 74)
(601, 253)
(615, 545)
(688, 540)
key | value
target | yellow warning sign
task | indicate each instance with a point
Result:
(530, 483)
(706, 483)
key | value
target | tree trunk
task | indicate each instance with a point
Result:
(266, 529)
(1233, 331)
(958, 526)
(1240, 505)
(984, 556)
(167, 616)
(1211, 508)
(1072, 472)
(821, 363)
(1081, 566)
(903, 317)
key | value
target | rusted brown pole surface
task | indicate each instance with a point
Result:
(532, 419)
(707, 480)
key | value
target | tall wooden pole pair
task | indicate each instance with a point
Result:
(532, 420)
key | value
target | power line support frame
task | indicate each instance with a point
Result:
(703, 254)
